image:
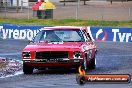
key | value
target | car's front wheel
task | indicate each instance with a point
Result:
(85, 63)
(27, 69)
(92, 64)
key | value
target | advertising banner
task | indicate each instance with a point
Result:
(8, 31)
(101, 34)
(111, 34)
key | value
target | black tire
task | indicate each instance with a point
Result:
(92, 64)
(83, 65)
(77, 69)
(80, 79)
(27, 69)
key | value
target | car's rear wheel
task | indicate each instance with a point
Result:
(27, 69)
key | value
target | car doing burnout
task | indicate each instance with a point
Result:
(54, 47)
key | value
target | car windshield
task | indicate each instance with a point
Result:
(59, 36)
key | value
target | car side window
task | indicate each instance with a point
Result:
(37, 37)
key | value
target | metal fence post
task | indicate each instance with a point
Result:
(77, 8)
(129, 11)
(17, 7)
(102, 14)
(5, 10)
(21, 5)
(28, 10)
(64, 3)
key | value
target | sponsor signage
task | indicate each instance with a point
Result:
(18, 32)
(111, 34)
(100, 34)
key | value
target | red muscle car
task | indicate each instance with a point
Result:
(65, 47)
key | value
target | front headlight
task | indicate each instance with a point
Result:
(77, 54)
(26, 55)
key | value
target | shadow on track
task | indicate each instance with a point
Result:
(55, 71)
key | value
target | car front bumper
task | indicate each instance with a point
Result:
(68, 63)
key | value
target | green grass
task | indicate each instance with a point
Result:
(65, 22)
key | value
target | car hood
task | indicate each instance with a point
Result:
(54, 46)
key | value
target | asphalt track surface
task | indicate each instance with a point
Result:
(112, 58)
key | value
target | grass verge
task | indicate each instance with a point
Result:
(65, 22)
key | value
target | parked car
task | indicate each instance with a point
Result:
(64, 47)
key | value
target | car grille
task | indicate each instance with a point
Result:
(51, 54)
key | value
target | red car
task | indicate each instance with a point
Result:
(66, 47)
